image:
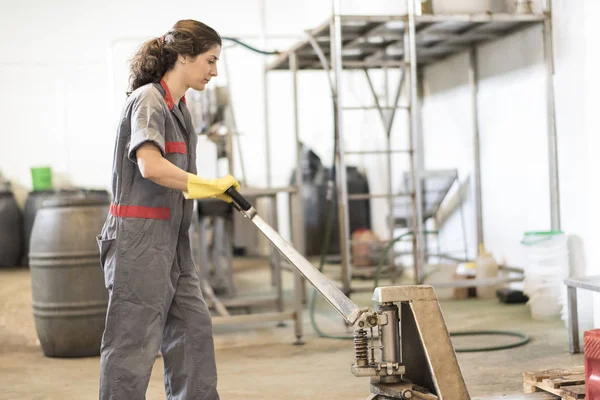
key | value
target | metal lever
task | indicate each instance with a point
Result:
(346, 307)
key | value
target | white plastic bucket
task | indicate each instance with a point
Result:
(546, 268)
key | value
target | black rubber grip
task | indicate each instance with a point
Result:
(238, 199)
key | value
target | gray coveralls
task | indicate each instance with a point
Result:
(155, 299)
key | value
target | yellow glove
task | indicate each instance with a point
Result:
(199, 188)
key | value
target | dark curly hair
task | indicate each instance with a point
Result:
(157, 56)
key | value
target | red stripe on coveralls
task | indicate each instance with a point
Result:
(175, 147)
(140, 212)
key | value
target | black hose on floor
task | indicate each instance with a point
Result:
(524, 340)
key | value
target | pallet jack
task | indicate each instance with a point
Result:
(415, 357)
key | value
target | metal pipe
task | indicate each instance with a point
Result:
(474, 80)
(253, 318)
(323, 61)
(396, 102)
(210, 294)
(377, 151)
(420, 89)
(297, 214)
(374, 108)
(410, 38)
(263, 18)
(550, 105)
(390, 168)
(376, 98)
(342, 188)
(390, 334)
(276, 259)
(572, 320)
(298, 226)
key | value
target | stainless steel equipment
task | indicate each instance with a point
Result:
(403, 345)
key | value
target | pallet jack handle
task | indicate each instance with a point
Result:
(346, 307)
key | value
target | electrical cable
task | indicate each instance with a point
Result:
(249, 47)
(524, 340)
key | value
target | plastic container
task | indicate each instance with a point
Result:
(591, 350)
(546, 268)
(41, 178)
(441, 273)
(485, 268)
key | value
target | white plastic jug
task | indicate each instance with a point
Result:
(547, 267)
(485, 268)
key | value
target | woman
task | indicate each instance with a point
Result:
(155, 300)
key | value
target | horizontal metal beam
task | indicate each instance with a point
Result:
(254, 318)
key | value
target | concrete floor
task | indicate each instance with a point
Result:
(260, 362)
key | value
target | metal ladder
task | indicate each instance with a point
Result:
(408, 79)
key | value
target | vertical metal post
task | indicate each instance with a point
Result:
(416, 154)
(298, 214)
(342, 187)
(419, 85)
(474, 80)
(552, 139)
(420, 145)
(572, 320)
(263, 16)
(297, 205)
(276, 258)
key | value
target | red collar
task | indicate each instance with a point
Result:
(168, 97)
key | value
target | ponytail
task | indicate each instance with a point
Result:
(150, 63)
(157, 56)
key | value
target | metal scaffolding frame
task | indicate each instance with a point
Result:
(410, 42)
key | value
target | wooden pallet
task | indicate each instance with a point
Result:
(566, 384)
(521, 396)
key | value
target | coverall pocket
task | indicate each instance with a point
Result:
(107, 260)
(133, 232)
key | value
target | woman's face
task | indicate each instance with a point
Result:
(199, 70)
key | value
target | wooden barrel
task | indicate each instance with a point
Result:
(35, 200)
(69, 296)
